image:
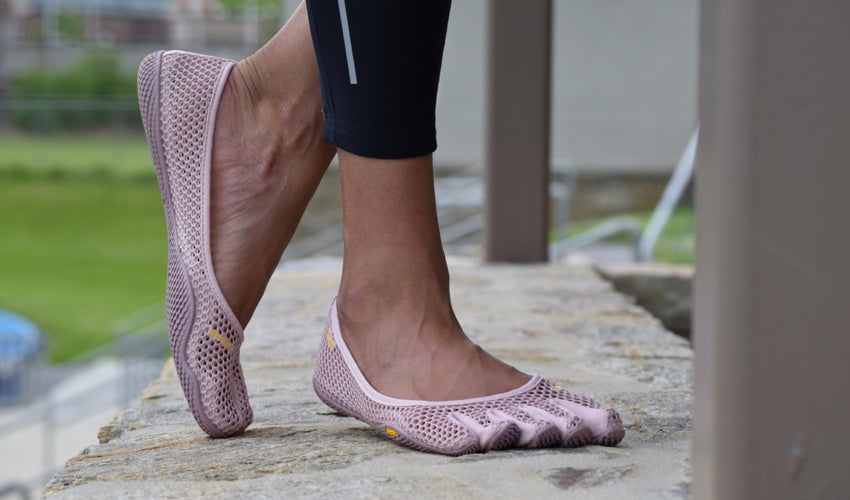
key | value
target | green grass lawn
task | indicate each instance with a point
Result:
(113, 156)
(674, 246)
(79, 252)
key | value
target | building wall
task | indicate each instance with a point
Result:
(624, 83)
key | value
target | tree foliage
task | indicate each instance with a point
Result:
(96, 76)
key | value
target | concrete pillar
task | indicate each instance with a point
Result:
(772, 316)
(517, 130)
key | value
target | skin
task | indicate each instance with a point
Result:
(394, 306)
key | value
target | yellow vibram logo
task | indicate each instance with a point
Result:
(217, 336)
(331, 342)
(391, 432)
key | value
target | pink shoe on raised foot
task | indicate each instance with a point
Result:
(179, 94)
(536, 415)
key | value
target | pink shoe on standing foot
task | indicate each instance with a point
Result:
(536, 415)
(179, 93)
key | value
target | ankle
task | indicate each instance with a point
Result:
(369, 306)
(247, 78)
(388, 278)
(268, 121)
(382, 328)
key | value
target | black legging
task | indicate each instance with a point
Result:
(379, 66)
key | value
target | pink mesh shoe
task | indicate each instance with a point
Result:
(179, 94)
(536, 415)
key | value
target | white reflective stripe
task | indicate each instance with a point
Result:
(346, 37)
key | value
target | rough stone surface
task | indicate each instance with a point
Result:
(663, 289)
(562, 321)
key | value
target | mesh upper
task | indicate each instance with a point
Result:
(178, 95)
(534, 417)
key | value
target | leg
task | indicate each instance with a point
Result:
(393, 353)
(394, 306)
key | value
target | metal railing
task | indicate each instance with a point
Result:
(111, 111)
(140, 345)
(642, 239)
(682, 176)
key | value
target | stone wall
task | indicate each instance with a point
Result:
(562, 321)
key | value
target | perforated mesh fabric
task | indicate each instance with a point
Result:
(178, 96)
(538, 415)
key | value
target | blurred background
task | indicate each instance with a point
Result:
(82, 233)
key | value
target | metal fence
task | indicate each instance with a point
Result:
(51, 113)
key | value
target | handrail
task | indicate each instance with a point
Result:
(644, 240)
(68, 102)
(669, 199)
(624, 224)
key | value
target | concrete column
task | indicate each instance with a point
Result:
(772, 317)
(517, 130)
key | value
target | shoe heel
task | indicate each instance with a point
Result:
(147, 87)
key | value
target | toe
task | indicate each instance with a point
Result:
(604, 424)
(571, 432)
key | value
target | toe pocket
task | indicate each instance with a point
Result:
(565, 429)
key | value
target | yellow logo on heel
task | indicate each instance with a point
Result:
(391, 432)
(217, 336)
(331, 342)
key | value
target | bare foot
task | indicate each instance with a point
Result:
(268, 157)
